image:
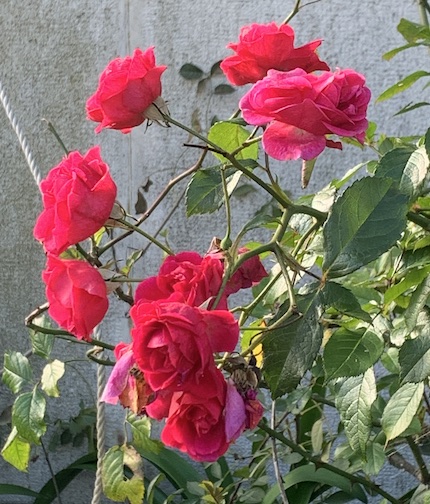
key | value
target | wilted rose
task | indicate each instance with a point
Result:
(77, 295)
(301, 109)
(127, 89)
(78, 196)
(262, 47)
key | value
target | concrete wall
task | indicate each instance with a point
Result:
(51, 53)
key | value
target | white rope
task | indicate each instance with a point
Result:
(21, 138)
(100, 426)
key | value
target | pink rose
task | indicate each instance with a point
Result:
(77, 295)
(262, 47)
(78, 197)
(196, 423)
(173, 343)
(186, 277)
(127, 88)
(301, 108)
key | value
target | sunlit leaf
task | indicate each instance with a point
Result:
(229, 137)
(16, 371)
(354, 400)
(52, 372)
(401, 409)
(365, 222)
(28, 415)
(351, 353)
(402, 85)
(16, 451)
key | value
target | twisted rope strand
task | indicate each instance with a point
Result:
(21, 137)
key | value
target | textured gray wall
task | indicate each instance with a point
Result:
(51, 53)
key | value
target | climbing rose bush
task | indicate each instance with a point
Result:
(262, 47)
(78, 196)
(127, 89)
(300, 109)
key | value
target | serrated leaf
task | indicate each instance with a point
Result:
(414, 358)
(365, 222)
(343, 300)
(205, 192)
(229, 137)
(141, 430)
(28, 414)
(16, 371)
(52, 372)
(408, 169)
(375, 459)
(16, 451)
(290, 351)
(116, 485)
(354, 400)
(191, 72)
(41, 343)
(351, 353)
(401, 409)
(417, 303)
(402, 85)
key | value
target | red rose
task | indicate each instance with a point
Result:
(262, 47)
(78, 197)
(186, 277)
(196, 424)
(127, 88)
(77, 295)
(302, 108)
(173, 343)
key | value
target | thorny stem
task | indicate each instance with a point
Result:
(319, 464)
(158, 200)
(425, 476)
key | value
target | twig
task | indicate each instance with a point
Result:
(275, 457)
(54, 480)
(425, 476)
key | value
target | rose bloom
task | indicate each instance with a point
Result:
(186, 277)
(127, 89)
(78, 197)
(262, 47)
(77, 295)
(300, 109)
(173, 343)
(196, 423)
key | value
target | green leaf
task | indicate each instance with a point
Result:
(205, 192)
(16, 371)
(407, 168)
(52, 372)
(350, 353)
(413, 32)
(354, 400)
(289, 351)
(6, 489)
(16, 451)
(427, 142)
(411, 279)
(343, 300)
(402, 85)
(116, 485)
(308, 472)
(223, 89)
(390, 54)
(417, 303)
(375, 459)
(411, 106)
(229, 137)
(28, 414)
(191, 72)
(41, 343)
(141, 430)
(365, 222)
(414, 358)
(401, 409)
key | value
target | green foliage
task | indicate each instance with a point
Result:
(16, 451)
(52, 372)
(17, 371)
(28, 415)
(230, 136)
